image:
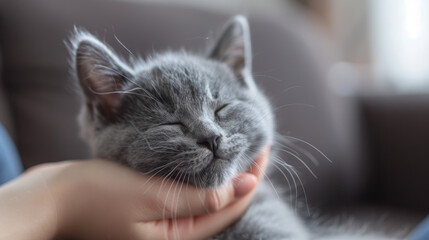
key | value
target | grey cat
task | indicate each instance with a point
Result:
(199, 119)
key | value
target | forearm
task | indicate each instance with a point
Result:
(26, 214)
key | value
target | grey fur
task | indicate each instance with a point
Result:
(151, 115)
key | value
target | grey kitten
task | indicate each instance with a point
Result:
(199, 119)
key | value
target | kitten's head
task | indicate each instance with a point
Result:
(198, 119)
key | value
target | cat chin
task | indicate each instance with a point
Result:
(217, 173)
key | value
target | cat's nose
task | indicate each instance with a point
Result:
(210, 142)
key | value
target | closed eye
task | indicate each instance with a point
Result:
(220, 108)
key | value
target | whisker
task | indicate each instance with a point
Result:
(179, 181)
(287, 180)
(302, 161)
(128, 50)
(290, 88)
(312, 146)
(266, 176)
(303, 190)
(197, 181)
(303, 151)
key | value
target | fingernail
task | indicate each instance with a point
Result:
(244, 184)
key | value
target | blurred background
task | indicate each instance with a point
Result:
(347, 79)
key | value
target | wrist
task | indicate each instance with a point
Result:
(64, 188)
(28, 209)
(75, 193)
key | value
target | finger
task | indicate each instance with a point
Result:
(198, 227)
(260, 165)
(168, 202)
(209, 225)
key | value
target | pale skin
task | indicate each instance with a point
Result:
(99, 199)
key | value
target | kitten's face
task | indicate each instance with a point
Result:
(196, 119)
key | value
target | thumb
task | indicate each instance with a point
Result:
(243, 184)
(217, 199)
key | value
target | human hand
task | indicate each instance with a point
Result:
(99, 199)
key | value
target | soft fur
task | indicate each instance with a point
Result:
(158, 116)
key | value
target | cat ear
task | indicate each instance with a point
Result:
(100, 72)
(234, 49)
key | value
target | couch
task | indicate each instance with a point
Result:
(39, 104)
